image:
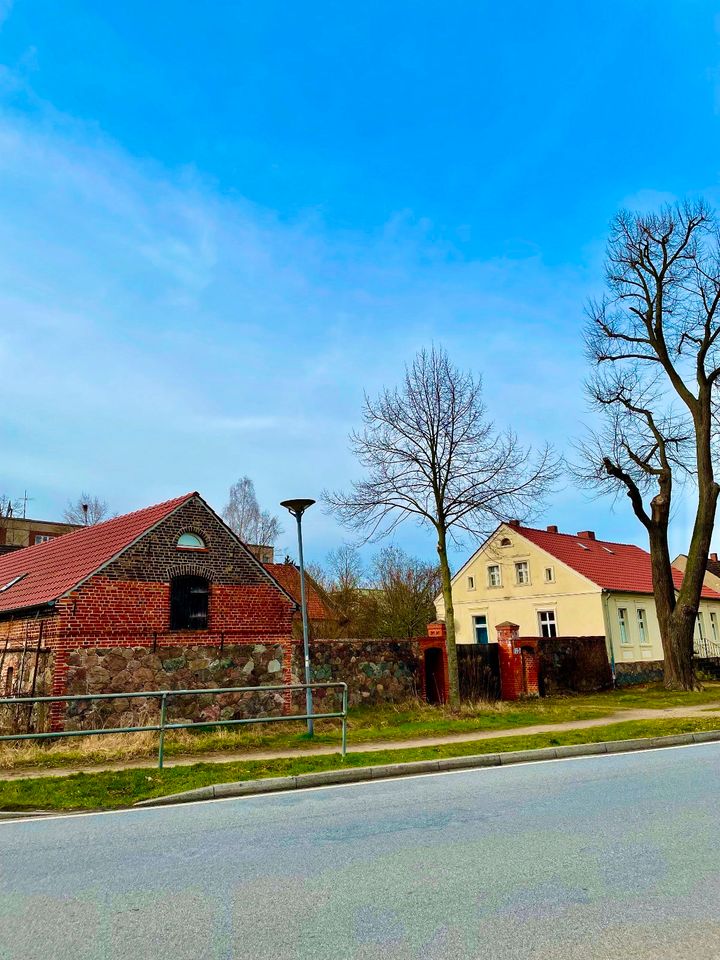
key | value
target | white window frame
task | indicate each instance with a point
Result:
(623, 626)
(551, 572)
(642, 626)
(525, 567)
(550, 620)
(714, 626)
(493, 567)
(475, 625)
(701, 625)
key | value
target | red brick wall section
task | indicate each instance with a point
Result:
(519, 663)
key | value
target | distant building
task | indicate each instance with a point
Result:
(263, 553)
(288, 576)
(18, 532)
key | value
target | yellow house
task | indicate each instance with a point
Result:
(569, 585)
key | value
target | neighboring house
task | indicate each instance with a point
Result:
(171, 574)
(558, 584)
(712, 570)
(287, 574)
(18, 532)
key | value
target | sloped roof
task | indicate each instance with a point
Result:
(48, 570)
(612, 566)
(288, 576)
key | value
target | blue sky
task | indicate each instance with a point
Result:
(222, 222)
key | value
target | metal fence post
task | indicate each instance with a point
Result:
(344, 719)
(163, 717)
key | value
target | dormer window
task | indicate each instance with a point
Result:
(190, 541)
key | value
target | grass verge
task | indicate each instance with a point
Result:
(113, 790)
(411, 720)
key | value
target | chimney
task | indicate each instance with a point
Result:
(513, 523)
(713, 557)
(586, 534)
(552, 528)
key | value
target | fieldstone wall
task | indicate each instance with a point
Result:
(573, 664)
(376, 671)
(638, 671)
(125, 669)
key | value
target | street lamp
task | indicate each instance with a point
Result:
(297, 508)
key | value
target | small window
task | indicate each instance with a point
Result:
(506, 542)
(583, 546)
(701, 626)
(480, 629)
(642, 625)
(549, 575)
(623, 625)
(493, 572)
(189, 602)
(190, 541)
(471, 583)
(714, 627)
(548, 624)
(42, 538)
(522, 573)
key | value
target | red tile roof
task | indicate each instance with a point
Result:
(612, 566)
(288, 576)
(49, 570)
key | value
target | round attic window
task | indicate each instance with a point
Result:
(190, 541)
(506, 542)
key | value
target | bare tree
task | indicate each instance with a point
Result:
(243, 515)
(407, 590)
(653, 344)
(87, 510)
(9, 508)
(431, 454)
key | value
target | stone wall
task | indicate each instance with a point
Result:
(125, 669)
(376, 671)
(638, 671)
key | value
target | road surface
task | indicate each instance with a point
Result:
(606, 857)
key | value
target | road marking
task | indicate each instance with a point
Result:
(358, 783)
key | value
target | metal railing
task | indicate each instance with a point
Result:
(705, 648)
(163, 725)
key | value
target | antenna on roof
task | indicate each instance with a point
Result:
(26, 500)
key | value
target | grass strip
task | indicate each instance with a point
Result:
(117, 789)
(412, 720)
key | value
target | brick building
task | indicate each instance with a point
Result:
(171, 575)
(19, 532)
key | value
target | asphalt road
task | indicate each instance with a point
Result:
(607, 857)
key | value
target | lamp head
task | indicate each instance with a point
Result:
(297, 507)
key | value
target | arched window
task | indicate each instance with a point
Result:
(190, 541)
(506, 542)
(189, 603)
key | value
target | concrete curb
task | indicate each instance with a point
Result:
(249, 788)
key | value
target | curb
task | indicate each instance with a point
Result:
(249, 788)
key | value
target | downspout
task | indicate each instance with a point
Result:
(608, 633)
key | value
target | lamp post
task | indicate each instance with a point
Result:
(297, 508)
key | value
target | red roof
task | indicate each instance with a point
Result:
(48, 570)
(612, 566)
(288, 576)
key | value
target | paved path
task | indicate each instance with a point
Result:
(230, 756)
(609, 857)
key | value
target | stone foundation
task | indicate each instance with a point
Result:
(126, 669)
(638, 671)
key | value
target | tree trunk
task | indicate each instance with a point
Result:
(446, 578)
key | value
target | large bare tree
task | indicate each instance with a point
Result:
(653, 345)
(87, 510)
(431, 454)
(243, 515)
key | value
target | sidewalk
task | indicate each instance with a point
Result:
(369, 747)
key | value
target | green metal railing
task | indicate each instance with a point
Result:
(163, 725)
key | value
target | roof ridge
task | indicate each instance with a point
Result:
(571, 536)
